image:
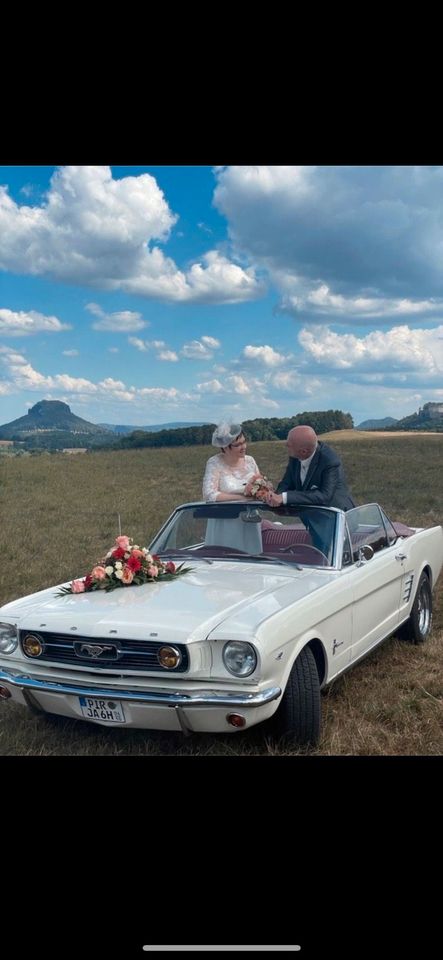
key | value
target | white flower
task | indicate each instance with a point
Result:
(109, 571)
(119, 574)
(118, 565)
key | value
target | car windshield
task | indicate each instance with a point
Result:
(305, 536)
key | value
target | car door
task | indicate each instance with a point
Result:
(376, 583)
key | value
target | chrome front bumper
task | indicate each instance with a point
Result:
(161, 695)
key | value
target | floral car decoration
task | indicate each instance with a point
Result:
(279, 601)
(125, 565)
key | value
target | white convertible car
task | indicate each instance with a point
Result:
(277, 604)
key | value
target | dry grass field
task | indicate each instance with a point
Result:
(60, 513)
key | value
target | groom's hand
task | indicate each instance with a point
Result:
(274, 499)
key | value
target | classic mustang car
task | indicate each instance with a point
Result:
(278, 602)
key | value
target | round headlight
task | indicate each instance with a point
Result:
(169, 657)
(8, 638)
(32, 645)
(239, 658)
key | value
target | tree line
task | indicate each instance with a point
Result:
(272, 428)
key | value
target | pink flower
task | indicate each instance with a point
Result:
(78, 586)
(128, 575)
(98, 573)
(123, 543)
(170, 567)
(135, 552)
(152, 571)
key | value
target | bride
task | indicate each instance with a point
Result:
(227, 473)
(225, 478)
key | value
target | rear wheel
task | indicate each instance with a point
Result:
(418, 626)
(298, 717)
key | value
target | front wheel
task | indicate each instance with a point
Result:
(418, 626)
(298, 717)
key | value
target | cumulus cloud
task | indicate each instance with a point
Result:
(23, 323)
(265, 354)
(62, 386)
(202, 349)
(210, 386)
(96, 231)
(119, 322)
(168, 355)
(363, 240)
(145, 345)
(397, 355)
(321, 302)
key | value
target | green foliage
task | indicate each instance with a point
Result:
(273, 428)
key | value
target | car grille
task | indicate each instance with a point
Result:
(122, 655)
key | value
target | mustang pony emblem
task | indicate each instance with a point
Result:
(94, 650)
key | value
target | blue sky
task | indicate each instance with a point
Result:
(144, 295)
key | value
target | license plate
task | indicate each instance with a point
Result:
(109, 710)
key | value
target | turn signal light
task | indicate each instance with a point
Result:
(169, 657)
(32, 645)
(236, 720)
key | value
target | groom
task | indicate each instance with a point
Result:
(314, 474)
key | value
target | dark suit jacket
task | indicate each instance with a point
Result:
(324, 485)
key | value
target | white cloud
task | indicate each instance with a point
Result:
(168, 355)
(265, 354)
(202, 349)
(70, 353)
(210, 386)
(237, 384)
(397, 354)
(93, 230)
(62, 386)
(22, 323)
(355, 240)
(119, 322)
(322, 301)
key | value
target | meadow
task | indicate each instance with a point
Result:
(60, 513)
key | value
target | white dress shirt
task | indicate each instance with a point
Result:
(304, 467)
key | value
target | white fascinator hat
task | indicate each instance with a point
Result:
(226, 433)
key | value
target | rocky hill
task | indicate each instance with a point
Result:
(50, 423)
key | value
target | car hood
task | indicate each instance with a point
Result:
(187, 608)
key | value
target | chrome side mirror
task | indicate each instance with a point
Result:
(365, 553)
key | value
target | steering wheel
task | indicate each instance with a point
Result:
(304, 548)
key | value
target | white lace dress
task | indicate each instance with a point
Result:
(221, 478)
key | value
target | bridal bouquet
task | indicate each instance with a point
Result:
(258, 486)
(125, 565)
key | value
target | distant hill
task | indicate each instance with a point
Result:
(153, 427)
(429, 417)
(51, 425)
(377, 424)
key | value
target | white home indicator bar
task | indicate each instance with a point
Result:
(270, 949)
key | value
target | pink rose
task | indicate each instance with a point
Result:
(170, 567)
(78, 586)
(135, 552)
(152, 571)
(98, 573)
(128, 575)
(123, 543)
